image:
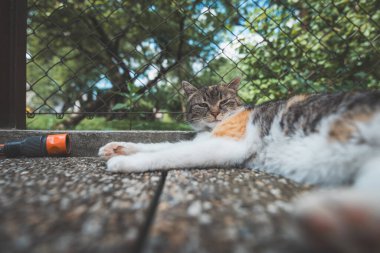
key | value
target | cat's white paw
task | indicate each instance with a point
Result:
(340, 221)
(117, 148)
(125, 164)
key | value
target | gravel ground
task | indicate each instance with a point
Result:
(73, 205)
(219, 210)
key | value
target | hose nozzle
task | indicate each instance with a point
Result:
(36, 146)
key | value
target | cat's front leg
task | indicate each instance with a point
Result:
(134, 163)
(198, 153)
(117, 148)
(128, 148)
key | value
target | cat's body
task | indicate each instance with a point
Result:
(320, 139)
(323, 139)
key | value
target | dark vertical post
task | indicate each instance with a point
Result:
(13, 15)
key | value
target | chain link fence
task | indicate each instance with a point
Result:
(125, 60)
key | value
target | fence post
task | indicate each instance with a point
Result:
(13, 14)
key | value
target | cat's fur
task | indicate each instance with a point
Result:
(320, 139)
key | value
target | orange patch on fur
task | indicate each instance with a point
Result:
(233, 127)
(296, 99)
(120, 150)
(343, 129)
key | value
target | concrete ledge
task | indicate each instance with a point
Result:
(87, 143)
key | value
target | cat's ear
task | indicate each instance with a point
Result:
(234, 84)
(188, 88)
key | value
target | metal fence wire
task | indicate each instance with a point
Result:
(127, 58)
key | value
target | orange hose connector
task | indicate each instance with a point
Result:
(58, 144)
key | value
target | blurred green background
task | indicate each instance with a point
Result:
(97, 64)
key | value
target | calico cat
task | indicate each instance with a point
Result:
(329, 140)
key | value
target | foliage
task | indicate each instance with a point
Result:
(100, 123)
(312, 46)
(130, 56)
(75, 46)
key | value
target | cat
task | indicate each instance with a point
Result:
(328, 140)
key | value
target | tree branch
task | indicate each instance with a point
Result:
(111, 48)
(179, 56)
(154, 81)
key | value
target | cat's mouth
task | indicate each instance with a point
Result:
(214, 122)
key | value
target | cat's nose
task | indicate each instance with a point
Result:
(215, 113)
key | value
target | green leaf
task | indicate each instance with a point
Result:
(119, 106)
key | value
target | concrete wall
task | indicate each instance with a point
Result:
(87, 143)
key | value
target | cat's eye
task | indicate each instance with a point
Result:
(223, 102)
(226, 102)
(203, 105)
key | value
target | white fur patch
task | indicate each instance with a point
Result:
(316, 160)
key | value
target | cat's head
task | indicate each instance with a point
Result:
(207, 106)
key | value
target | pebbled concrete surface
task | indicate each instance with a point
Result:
(71, 205)
(224, 210)
(74, 205)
